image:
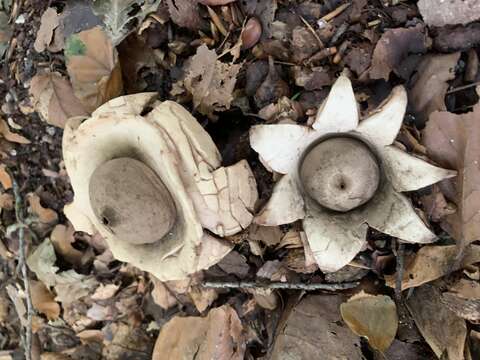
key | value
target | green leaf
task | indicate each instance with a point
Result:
(74, 47)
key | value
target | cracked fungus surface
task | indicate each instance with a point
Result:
(335, 220)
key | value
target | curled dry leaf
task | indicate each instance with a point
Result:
(455, 140)
(373, 317)
(54, 99)
(49, 35)
(5, 178)
(314, 325)
(393, 47)
(441, 13)
(10, 136)
(428, 92)
(219, 335)
(444, 331)
(185, 13)
(93, 67)
(43, 300)
(45, 215)
(62, 239)
(433, 262)
(210, 81)
(162, 295)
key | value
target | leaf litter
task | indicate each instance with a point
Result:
(291, 54)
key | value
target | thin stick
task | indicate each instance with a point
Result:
(333, 14)
(310, 28)
(22, 263)
(277, 285)
(464, 87)
(399, 269)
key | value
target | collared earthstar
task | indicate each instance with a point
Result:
(341, 175)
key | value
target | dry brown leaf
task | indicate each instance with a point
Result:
(373, 317)
(10, 136)
(444, 331)
(48, 23)
(219, 335)
(162, 295)
(185, 13)
(433, 262)
(468, 309)
(441, 13)
(210, 81)
(54, 99)
(393, 47)
(93, 66)
(45, 216)
(5, 178)
(62, 240)
(428, 92)
(454, 140)
(215, 2)
(315, 328)
(269, 235)
(43, 300)
(466, 289)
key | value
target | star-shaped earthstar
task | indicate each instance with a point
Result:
(341, 175)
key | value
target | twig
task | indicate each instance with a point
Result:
(400, 253)
(333, 14)
(310, 28)
(22, 263)
(277, 285)
(464, 87)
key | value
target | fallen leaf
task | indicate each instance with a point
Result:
(43, 300)
(315, 328)
(48, 23)
(468, 309)
(400, 350)
(5, 32)
(185, 13)
(441, 13)
(93, 66)
(210, 81)
(428, 92)
(215, 2)
(466, 289)
(45, 216)
(125, 341)
(393, 47)
(54, 99)
(273, 270)
(105, 292)
(219, 335)
(62, 239)
(5, 178)
(454, 140)
(235, 264)
(269, 235)
(162, 295)
(119, 15)
(459, 38)
(433, 262)
(373, 317)
(272, 88)
(444, 331)
(18, 303)
(10, 136)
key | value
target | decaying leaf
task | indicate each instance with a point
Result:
(162, 295)
(374, 317)
(46, 33)
(433, 262)
(444, 331)
(119, 15)
(45, 215)
(5, 178)
(441, 13)
(210, 81)
(455, 140)
(54, 99)
(468, 309)
(393, 47)
(185, 13)
(43, 300)
(62, 240)
(11, 136)
(428, 92)
(93, 67)
(5, 32)
(315, 327)
(219, 335)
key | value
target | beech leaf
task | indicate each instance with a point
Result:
(93, 66)
(373, 317)
(54, 99)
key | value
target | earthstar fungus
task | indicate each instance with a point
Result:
(341, 175)
(149, 179)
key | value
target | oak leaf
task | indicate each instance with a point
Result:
(93, 66)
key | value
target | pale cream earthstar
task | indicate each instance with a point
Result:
(341, 175)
